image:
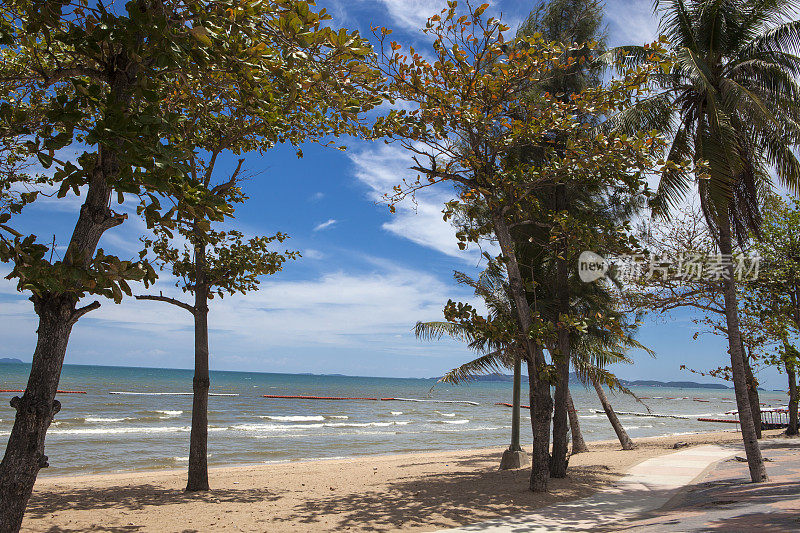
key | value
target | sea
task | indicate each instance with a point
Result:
(147, 427)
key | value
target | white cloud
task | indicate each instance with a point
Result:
(371, 311)
(382, 166)
(325, 225)
(412, 14)
(630, 22)
(337, 308)
(310, 253)
(317, 196)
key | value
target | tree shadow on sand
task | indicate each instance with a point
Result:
(109, 529)
(440, 500)
(44, 503)
(105, 529)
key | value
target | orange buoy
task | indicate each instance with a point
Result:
(510, 405)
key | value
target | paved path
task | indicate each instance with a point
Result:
(724, 500)
(647, 486)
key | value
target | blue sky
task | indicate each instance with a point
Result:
(366, 276)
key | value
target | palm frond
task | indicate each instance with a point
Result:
(434, 331)
(676, 22)
(486, 364)
(675, 183)
(784, 37)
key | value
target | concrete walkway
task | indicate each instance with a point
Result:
(724, 500)
(647, 486)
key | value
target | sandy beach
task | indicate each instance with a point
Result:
(411, 492)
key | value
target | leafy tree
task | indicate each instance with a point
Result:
(684, 246)
(791, 359)
(566, 22)
(220, 122)
(93, 79)
(470, 114)
(730, 105)
(210, 263)
(774, 298)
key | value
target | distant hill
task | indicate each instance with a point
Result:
(9, 360)
(635, 383)
(673, 384)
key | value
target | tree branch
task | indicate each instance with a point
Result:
(76, 314)
(224, 187)
(54, 77)
(167, 299)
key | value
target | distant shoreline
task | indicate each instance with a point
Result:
(478, 379)
(628, 383)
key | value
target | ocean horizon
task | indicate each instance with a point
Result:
(136, 418)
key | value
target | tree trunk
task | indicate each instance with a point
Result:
(198, 441)
(57, 313)
(515, 424)
(755, 462)
(541, 402)
(791, 368)
(752, 395)
(515, 457)
(541, 411)
(558, 462)
(35, 410)
(793, 399)
(622, 435)
(578, 444)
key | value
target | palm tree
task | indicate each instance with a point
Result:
(597, 348)
(593, 351)
(731, 105)
(578, 444)
(492, 287)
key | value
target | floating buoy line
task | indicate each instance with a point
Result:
(296, 397)
(58, 391)
(273, 396)
(647, 415)
(429, 400)
(704, 400)
(467, 402)
(132, 393)
(721, 420)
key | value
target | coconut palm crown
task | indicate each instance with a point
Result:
(730, 104)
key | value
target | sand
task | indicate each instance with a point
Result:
(410, 492)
